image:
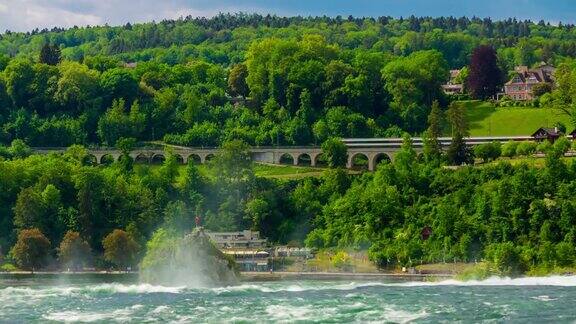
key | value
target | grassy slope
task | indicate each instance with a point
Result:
(487, 120)
(263, 170)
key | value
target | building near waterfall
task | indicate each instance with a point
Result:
(248, 249)
(246, 239)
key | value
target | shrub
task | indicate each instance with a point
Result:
(341, 260)
(565, 254)
(8, 267)
(562, 145)
(544, 147)
(489, 151)
(505, 258)
(526, 148)
(509, 149)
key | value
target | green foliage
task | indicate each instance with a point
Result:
(8, 267)
(540, 89)
(237, 80)
(50, 54)
(335, 152)
(341, 260)
(119, 83)
(120, 249)
(304, 81)
(415, 82)
(509, 149)
(116, 124)
(205, 82)
(506, 258)
(529, 148)
(562, 145)
(458, 152)
(432, 146)
(488, 152)
(543, 147)
(74, 251)
(32, 249)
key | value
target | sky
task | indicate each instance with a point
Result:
(25, 15)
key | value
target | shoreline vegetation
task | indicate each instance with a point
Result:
(425, 272)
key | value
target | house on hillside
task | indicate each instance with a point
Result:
(453, 87)
(524, 79)
(547, 133)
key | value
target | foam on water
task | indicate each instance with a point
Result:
(120, 315)
(46, 292)
(293, 301)
(294, 313)
(74, 290)
(560, 281)
(545, 298)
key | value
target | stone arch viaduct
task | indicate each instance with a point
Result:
(370, 151)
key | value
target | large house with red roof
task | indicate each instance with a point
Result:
(524, 79)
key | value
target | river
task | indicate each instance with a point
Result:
(116, 299)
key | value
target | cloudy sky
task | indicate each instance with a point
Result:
(23, 15)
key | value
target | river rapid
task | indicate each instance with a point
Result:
(96, 299)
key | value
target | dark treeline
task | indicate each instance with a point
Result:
(345, 31)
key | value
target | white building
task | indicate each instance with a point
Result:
(237, 240)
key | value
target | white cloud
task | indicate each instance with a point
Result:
(25, 15)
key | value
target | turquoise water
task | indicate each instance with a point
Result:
(91, 299)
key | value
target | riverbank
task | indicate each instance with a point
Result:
(263, 276)
(245, 276)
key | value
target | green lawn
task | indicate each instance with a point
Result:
(262, 170)
(487, 120)
(285, 171)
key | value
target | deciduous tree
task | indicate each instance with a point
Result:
(74, 251)
(120, 249)
(335, 152)
(31, 250)
(485, 78)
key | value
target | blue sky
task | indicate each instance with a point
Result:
(22, 15)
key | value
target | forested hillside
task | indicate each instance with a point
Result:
(241, 80)
(266, 80)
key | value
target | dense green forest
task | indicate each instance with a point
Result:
(238, 80)
(266, 80)
(519, 217)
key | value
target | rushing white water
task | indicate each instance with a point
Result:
(548, 299)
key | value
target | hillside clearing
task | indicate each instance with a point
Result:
(487, 120)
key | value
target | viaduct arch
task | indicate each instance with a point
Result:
(373, 150)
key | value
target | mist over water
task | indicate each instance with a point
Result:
(497, 299)
(192, 261)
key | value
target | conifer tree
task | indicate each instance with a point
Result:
(50, 54)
